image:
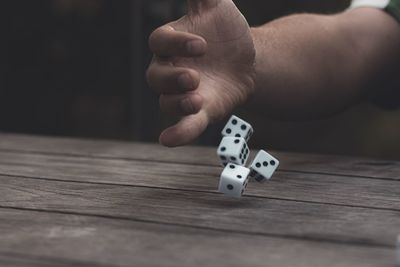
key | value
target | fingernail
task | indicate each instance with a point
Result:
(185, 81)
(187, 106)
(195, 47)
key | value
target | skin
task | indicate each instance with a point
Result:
(298, 67)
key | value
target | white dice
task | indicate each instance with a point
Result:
(234, 152)
(233, 149)
(237, 127)
(234, 180)
(263, 167)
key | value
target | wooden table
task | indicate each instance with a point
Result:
(68, 202)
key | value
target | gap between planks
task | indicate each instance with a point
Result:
(373, 193)
(132, 159)
(205, 210)
(320, 164)
(199, 191)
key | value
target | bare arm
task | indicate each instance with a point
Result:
(299, 67)
(313, 65)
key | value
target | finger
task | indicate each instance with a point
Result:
(181, 105)
(167, 79)
(197, 6)
(167, 42)
(185, 131)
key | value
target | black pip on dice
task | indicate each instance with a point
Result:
(234, 153)
(233, 149)
(237, 127)
(263, 166)
(234, 180)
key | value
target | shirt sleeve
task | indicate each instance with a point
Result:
(390, 6)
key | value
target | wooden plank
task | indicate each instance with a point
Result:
(92, 241)
(12, 259)
(194, 155)
(341, 190)
(249, 215)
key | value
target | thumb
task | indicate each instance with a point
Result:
(197, 6)
(185, 131)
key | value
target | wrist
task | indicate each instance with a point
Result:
(259, 66)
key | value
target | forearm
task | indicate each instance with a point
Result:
(309, 66)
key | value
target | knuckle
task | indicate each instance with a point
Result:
(154, 39)
(149, 76)
(153, 79)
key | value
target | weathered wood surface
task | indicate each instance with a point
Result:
(70, 202)
(251, 215)
(116, 242)
(319, 164)
(318, 188)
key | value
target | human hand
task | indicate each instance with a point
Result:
(203, 67)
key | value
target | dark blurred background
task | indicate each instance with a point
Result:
(76, 68)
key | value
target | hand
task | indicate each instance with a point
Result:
(203, 67)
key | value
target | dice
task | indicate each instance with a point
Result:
(263, 166)
(234, 150)
(234, 153)
(237, 127)
(234, 180)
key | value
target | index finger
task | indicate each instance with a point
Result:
(185, 131)
(167, 42)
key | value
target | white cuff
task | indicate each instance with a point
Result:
(370, 3)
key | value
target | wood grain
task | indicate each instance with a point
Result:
(12, 259)
(50, 239)
(253, 216)
(74, 202)
(325, 164)
(318, 188)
